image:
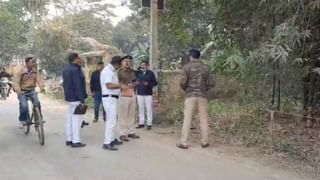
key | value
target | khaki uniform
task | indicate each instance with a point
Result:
(126, 104)
(196, 81)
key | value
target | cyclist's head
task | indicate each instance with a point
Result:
(74, 58)
(31, 61)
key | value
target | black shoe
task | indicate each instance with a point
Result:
(68, 143)
(116, 142)
(84, 124)
(95, 120)
(78, 145)
(109, 147)
(133, 136)
(140, 126)
(149, 128)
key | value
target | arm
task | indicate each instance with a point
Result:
(184, 80)
(40, 81)
(153, 80)
(76, 82)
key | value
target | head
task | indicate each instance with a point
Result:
(3, 69)
(127, 62)
(116, 62)
(194, 55)
(144, 65)
(74, 58)
(31, 61)
(100, 66)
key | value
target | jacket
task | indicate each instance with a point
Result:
(74, 83)
(24, 80)
(196, 79)
(95, 85)
(149, 77)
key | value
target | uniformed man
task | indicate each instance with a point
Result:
(127, 100)
(196, 80)
(111, 89)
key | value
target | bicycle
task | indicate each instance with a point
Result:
(35, 119)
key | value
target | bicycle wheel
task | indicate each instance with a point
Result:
(38, 124)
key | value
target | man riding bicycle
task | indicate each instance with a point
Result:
(25, 82)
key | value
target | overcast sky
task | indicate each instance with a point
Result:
(120, 11)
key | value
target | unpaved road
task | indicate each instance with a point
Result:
(153, 157)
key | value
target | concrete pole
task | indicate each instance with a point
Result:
(154, 57)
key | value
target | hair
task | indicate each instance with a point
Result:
(72, 57)
(101, 63)
(147, 62)
(28, 59)
(116, 60)
(194, 53)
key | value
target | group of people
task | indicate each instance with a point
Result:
(119, 87)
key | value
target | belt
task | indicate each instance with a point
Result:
(110, 95)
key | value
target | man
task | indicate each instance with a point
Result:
(75, 94)
(196, 80)
(95, 88)
(110, 87)
(5, 74)
(25, 81)
(146, 80)
(127, 100)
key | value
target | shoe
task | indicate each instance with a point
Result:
(205, 145)
(133, 136)
(84, 124)
(124, 138)
(78, 145)
(109, 147)
(116, 142)
(22, 124)
(68, 143)
(149, 128)
(140, 126)
(95, 120)
(182, 146)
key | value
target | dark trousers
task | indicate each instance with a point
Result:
(97, 102)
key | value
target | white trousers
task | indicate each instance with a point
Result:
(145, 103)
(73, 123)
(110, 106)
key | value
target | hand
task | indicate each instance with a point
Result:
(145, 83)
(124, 87)
(131, 85)
(93, 94)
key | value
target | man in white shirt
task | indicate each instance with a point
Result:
(111, 89)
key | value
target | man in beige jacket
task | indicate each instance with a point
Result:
(25, 81)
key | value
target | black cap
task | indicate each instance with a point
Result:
(127, 57)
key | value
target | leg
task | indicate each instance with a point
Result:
(110, 105)
(97, 102)
(123, 116)
(188, 112)
(141, 109)
(131, 115)
(69, 123)
(24, 109)
(203, 113)
(148, 104)
(75, 123)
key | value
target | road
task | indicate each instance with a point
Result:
(153, 157)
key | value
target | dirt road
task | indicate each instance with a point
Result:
(153, 157)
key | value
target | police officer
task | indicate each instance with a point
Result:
(111, 89)
(196, 81)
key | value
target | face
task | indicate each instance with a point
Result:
(31, 64)
(143, 66)
(127, 63)
(100, 67)
(78, 61)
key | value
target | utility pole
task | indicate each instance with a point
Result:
(154, 56)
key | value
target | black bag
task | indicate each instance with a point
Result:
(81, 109)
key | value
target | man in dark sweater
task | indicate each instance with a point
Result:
(95, 88)
(146, 80)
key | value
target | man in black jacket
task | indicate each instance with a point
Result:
(75, 93)
(95, 88)
(146, 80)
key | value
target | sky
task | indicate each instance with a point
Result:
(121, 11)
